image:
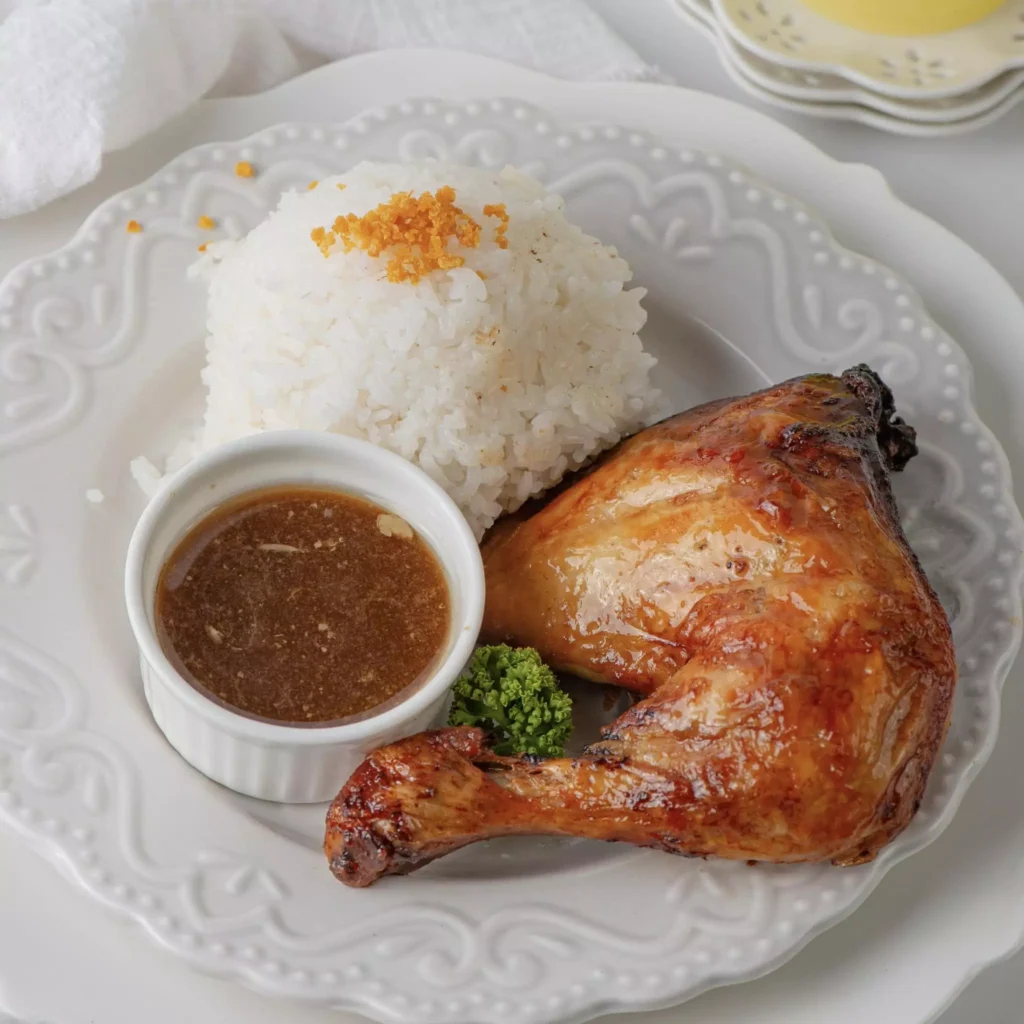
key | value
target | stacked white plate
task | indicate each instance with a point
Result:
(784, 53)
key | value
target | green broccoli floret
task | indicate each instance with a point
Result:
(511, 694)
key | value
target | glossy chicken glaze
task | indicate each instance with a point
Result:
(742, 567)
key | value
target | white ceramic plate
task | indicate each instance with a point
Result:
(101, 349)
(821, 87)
(829, 97)
(923, 67)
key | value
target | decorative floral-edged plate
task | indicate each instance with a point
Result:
(821, 87)
(100, 348)
(822, 95)
(924, 67)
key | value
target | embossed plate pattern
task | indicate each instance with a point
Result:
(100, 345)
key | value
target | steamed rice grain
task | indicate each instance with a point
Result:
(495, 377)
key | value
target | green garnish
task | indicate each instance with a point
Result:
(511, 694)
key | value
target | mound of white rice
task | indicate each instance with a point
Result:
(495, 383)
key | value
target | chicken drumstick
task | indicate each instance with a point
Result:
(742, 567)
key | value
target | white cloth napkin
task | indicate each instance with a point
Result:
(81, 77)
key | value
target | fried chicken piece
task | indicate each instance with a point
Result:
(742, 567)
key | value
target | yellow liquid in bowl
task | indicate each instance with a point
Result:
(905, 17)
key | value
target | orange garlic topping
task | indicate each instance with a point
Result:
(133, 227)
(244, 169)
(201, 248)
(498, 210)
(206, 223)
(312, 185)
(414, 230)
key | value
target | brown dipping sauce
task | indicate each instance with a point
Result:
(302, 605)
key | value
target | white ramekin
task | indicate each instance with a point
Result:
(294, 764)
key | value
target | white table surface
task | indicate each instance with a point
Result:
(972, 185)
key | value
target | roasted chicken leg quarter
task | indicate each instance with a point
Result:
(741, 568)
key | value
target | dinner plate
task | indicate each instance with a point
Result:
(934, 66)
(827, 96)
(100, 358)
(822, 87)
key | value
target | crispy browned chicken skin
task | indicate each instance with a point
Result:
(740, 566)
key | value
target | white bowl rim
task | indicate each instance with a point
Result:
(275, 733)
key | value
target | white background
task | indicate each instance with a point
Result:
(967, 183)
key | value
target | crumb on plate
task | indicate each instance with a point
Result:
(146, 475)
(133, 227)
(202, 248)
(206, 223)
(312, 185)
(244, 169)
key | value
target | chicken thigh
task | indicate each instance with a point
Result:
(741, 568)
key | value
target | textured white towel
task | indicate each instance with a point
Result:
(81, 77)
